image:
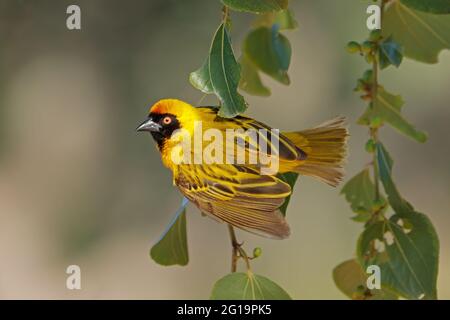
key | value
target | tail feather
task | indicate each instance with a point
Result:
(326, 149)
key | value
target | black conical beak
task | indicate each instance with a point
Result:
(149, 125)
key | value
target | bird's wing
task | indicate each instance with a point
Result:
(274, 143)
(237, 195)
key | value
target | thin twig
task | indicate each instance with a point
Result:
(374, 131)
(225, 14)
(237, 251)
(234, 248)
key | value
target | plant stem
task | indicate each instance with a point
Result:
(244, 255)
(225, 14)
(234, 248)
(237, 251)
(374, 95)
(374, 131)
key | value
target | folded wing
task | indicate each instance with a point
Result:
(237, 195)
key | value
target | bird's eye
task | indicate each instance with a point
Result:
(167, 120)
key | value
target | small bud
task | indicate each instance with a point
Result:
(370, 146)
(376, 122)
(375, 35)
(368, 46)
(359, 293)
(370, 58)
(368, 76)
(353, 47)
(357, 296)
(360, 289)
(257, 252)
(378, 205)
(360, 210)
(360, 85)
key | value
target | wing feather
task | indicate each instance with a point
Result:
(242, 197)
(276, 144)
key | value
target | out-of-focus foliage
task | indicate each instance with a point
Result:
(404, 246)
(269, 51)
(387, 107)
(256, 6)
(390, 53)
(351, 279)
(432, 6)
(359, 191)
(250, 79)
(421, 34)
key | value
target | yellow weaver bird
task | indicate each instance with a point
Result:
(238, 194)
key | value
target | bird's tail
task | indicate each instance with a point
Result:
(325, 147)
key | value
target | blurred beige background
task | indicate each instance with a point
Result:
(79, 186)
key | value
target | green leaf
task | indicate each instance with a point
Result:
(256, 6)
(250, 79)
(422, 35)
(408, 259)
(284, 19)
(351, 279)
(384, 163)
(431, 6)
(220, 74)
(390, 53)
(247, 286)
(388, 162)
(172, 248)
(201, 79)
(405, 247)
(265, 50)
(362, 217)
(269, 51)
(359, 191)
(290, 178)
(387, 107)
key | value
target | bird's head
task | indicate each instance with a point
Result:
(166, 116)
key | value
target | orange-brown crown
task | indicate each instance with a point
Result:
(184, 112)
(172, 106)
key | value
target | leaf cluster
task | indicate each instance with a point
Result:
(397, 238)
